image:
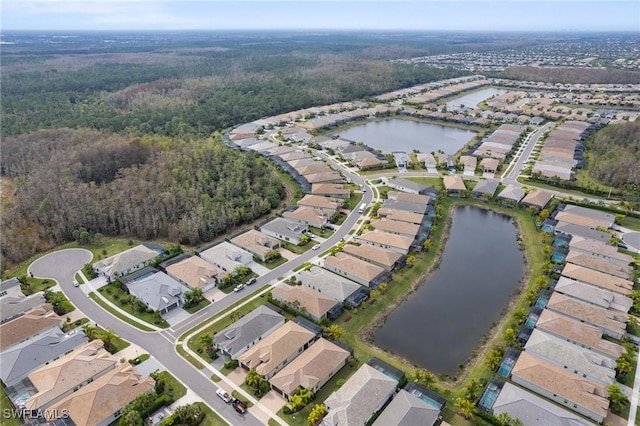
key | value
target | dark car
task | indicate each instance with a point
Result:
(239, 406)
(251, 281)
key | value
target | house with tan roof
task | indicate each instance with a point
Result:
(489, 165)
(565, 388)
(536, 199)
(599, 264)
(612, 323)
(599, 279)
(256, 243)
(410, 197)
(582, 361)
(576, 219)
(128, 261)
(195, 272)
(595, 295)
(325, 205)
(363, 395)
(387, 241)
(334, 190)
(328, 283)
(325, 177)
(277, 350)
(390, 226)
(100, 402)
(312, 369)
(357, 270)
(453, 184)
(599, 249)
(370, 163)
(386, 259)
(604, 219)
(55, 381)
(307, 216)
(33, 323)
(401, 215)
(308, 301)
(578, 333)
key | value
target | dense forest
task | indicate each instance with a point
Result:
(150, 187)
(572, 75)
(615, 156)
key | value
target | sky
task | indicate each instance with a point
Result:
(466, 15)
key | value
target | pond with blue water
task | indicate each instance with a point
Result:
(441, 323)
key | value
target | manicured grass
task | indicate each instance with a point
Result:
(189, 358)
(117, 344)
(5, 407)
(139, 359)
(237, 395)
(272, 422)
(36, 285)
(173, 387)
(68, 326)
(273, 264)
(115, 294)
(215, 378)
(572, 192)
(435, 182)
(210, 418)
(298, 249)
(118, 314)
(225, 371)
(196, 308)
(323, 233)
(64, 306)
(631, 223)
(353, 201)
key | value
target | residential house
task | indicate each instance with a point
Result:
(536, 199)
(511, 195)
(469, 162)
(312, 369)
(21, 359)
(15, 304)
(612, 323)
(573, 358)
(226, 256)
(387, 241)
(51, 383)
(586, 221)
(305, 300)
(357, 270)
(363, 395)
(328, 283)
(406, 206)
(532, 410)
(256, 243)
(595, 295)
(405, 185)
(565, 388)
(454, 185)
(386, 259)
(195, 272)
(277, 350)
(307, 216)
(128, 261)
(237, 338)
(410, 197)
(486, 188)
(574, 230)
(599, 249)
(401, 215)
(285, 230)
(598, 217)
(599, 264)
(325, 205)
(428, 160)
(29, 325)
(407, 409)
(325, 177)
(333, 190)
(157, 290)
(597, 278)
(9, 286)
(370, 162)
(404, 229)
(489, 165)
(100, 402)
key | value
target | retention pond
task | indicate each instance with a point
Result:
(440, 324)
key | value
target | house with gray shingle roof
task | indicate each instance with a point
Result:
(363, 395)
(16, 304)
(285, 230)
(237, 338)
(158, 291)
(128, 261)
(408, 410)
(511, 195)
(326, 282)
(485, 188)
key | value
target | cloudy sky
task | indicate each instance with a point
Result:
(506, 15)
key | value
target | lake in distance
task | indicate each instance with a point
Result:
(471, 100)
(440, 324)
(407, 135)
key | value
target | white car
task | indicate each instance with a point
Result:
(223, 395)
(238, 288)
(75, 283)
(316, 247)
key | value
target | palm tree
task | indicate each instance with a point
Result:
(317, 414)
(465, 407)
(472, 390)
(108, 336)
(616, 396)
(335, 332)
(411, 260)
(253, 379)
(206, 340)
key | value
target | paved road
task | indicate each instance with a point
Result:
(532, 140)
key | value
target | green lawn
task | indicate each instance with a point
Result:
(196, 308)
(5, 406)
(115, 295)
(68, 326)
(298, 249)
(237, 395)
(631, 223)
(353, 201)
(173, 387)
(189, 358)
(139, 359)
(435, 182)
(323, 233)
(118, 343)
(273, 264)
(210, 418)
(117, 314)
(573, 192)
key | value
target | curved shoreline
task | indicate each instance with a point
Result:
(478, 354)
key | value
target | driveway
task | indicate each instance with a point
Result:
(61, 266)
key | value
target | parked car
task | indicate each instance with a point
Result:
(238, 288)
(316, 247)
(252, 281)
(239, 406)
(75, 283)
(224, 395)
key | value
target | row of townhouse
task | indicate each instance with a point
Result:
(49, 374)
